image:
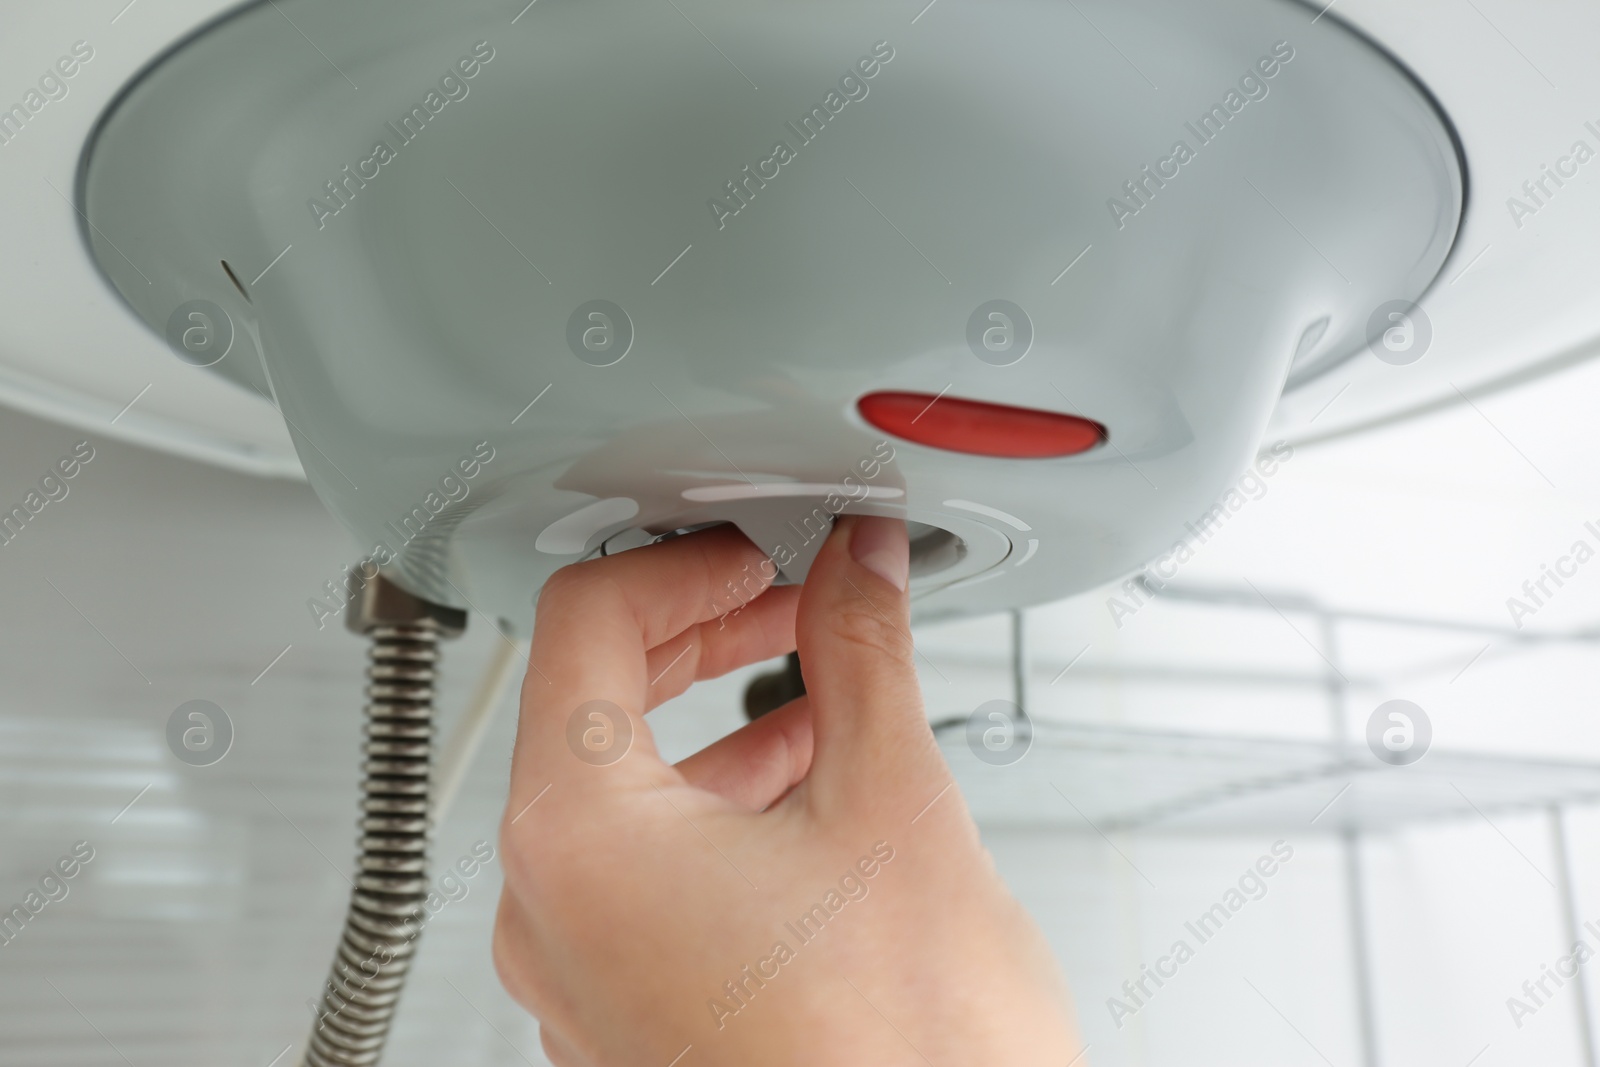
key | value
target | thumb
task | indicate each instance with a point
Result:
(853, 629)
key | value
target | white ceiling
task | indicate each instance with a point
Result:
(1516, 80)
(69, 349)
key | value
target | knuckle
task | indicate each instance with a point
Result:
(565, 587)
(547, 863)
(511, 965)
(555, 1049)
(516, 865)
(550, 1047)
(538, 861)
(867, 628)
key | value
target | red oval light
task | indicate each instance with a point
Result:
(979, 428)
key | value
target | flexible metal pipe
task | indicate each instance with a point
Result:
(386, 914)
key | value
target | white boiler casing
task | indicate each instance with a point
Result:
(604, 271)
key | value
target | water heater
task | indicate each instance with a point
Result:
(530, 286)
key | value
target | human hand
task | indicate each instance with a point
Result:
(809, 889)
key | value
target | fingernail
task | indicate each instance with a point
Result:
(881, 546)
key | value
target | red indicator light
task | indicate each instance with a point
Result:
(979, 428)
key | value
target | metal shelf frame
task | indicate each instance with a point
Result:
(1283, 766)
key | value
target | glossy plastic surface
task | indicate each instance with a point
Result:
(541, 279)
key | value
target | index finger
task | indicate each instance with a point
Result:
(596, 622)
